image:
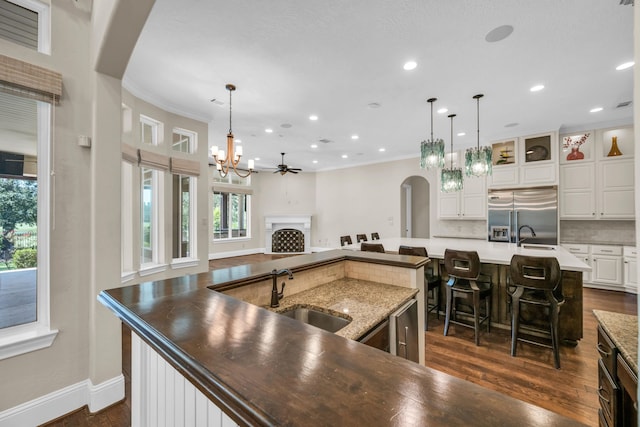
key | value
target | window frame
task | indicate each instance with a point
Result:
(193, 140)
(21, 339)
(156, 130)
(191, 260)
(156, 264)
(247, 216)
(44, 22)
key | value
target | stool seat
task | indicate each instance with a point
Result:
(466, 285)
(535, 281)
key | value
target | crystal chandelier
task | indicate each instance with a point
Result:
(432, 151)
(225, 161)
(477, 161)
(451, 179)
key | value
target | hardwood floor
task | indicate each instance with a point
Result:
(570, 391)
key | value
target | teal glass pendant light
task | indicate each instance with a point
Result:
(477, 161)
(451, 179)
(432, 151)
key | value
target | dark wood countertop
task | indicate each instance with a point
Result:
(264, 369)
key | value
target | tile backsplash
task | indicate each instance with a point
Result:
(594, 232)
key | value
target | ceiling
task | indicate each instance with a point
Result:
(340, 60)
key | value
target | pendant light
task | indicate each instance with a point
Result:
(451, 179)
(432, 151)
(225, 162)
(477, 160)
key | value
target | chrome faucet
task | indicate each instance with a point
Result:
(518, 239)
(275, 295)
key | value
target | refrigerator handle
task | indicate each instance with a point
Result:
(515, 229)
(510, 228)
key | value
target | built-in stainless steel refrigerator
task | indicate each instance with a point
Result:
(530, 214)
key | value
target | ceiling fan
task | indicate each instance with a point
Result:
(283, 168)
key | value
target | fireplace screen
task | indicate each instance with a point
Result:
(287, 240)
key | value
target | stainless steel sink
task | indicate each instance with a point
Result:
(319, 319)
(539, 247)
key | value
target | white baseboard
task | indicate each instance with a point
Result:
(58, 403)
(229, 254)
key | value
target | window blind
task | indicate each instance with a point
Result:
(129, 154)
(153, 160)
(185, 167)
(29, 81)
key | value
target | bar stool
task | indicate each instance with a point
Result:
(375, 236)
(464, 285)
(535, 281)
(431, 280)
(372, 247)
(361, 238)
(345, 240)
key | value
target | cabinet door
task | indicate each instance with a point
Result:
(616, 190)
(607, 270)
(448, 205)
(504, 176)
(631, 275)
(577, 191)
(474, 198)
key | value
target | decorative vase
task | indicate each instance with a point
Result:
(615, 151)
(575, 153)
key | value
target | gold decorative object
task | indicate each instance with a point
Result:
(615, 151)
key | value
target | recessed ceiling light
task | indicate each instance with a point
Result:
(344, 156)
(314, 161)
(354, 137)
(625, 65)
(442, 110)
(499, 33)
(410, 65)
(313, 117)
(536, 88)
(268, 130)
(314, 145)
(595, 110)
(462, 133)
(239, 141)
(382, 150)
(256, 158)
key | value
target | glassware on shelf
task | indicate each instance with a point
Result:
(615, 151)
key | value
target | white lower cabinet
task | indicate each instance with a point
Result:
(607, 267)
(582, 252)
(631, 269)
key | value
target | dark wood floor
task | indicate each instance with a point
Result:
(570, 391)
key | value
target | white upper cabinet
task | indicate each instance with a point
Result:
(469, 203)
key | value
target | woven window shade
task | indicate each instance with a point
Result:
(129, 154)
(226, 188)
(29, 81)
(185, 167)
(153, 160)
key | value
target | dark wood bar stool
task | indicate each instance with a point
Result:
(345, 240)
(431, 280)
(372, 247)
(465, 286)
(535, 282)
(375, 236)
(361, 238)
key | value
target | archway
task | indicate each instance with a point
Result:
(415, 207)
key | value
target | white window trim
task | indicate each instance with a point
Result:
(149, 269)
(193, 218)
(177, 263)
(157, 235)
(193, 138)
(156, 129)
(126, 229)
(33, 336)
(44, 22)
(248, 218)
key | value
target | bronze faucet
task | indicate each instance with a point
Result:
(275, 295)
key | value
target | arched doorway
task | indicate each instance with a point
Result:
(415, 207)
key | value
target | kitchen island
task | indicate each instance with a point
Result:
(255, 367)
(495, 258)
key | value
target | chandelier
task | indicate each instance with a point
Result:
(451, 179)
(225, 161)
(477, 161)
(432, 151)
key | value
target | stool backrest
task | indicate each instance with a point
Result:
(372, 247)
(412, 250)
(375, 236)
(535, 272)
(462, 264)
(345, 240)
(361, 238)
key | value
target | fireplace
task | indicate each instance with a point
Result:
(287, 234)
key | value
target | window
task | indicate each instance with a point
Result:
(231, 215)
(150, 131)
(127, 221)
(26, 22)
(184, 141)
(183, 206)
(24, 225)
(151, 219)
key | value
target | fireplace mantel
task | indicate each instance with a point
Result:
(273, 223)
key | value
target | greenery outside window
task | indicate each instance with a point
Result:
(231, 217)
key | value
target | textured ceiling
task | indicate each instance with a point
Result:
(334, 58)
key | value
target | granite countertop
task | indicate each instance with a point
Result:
(365, 303)
(623, 330)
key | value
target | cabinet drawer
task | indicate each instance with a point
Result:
(606, 250)
(608, 395)
(630, 251)
(576, 248)
(608, 351)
